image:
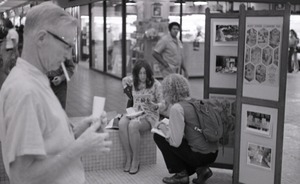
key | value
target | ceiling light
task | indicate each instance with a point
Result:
(200, 3)
(2, 2)
(130, 3)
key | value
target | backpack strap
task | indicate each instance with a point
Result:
(200, 118)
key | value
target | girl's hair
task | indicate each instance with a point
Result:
(294, 33)
(135, 74)
(175, 87)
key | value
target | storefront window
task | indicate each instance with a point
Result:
(131, 36)
(114, 37)
(295, 23)
(97, 42)
(75, 11)
(85, 32)
(193, 30)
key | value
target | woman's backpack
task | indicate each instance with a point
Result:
(209, 119)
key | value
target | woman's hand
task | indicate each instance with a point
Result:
(164, 128)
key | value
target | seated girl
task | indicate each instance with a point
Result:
(147, 97)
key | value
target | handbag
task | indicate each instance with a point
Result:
(128, 92)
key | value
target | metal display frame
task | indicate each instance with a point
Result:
(244, 172)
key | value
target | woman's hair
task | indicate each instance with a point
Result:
(135, 74)
(173, 24)
(175, 87)
(294, 33)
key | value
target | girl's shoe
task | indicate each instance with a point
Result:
(134, 171)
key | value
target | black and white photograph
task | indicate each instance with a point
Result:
(226, 64)
(259, 156)
(259, 123)
(226, 35)
(156, 10)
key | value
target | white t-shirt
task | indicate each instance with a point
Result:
(32, 121)
(11, 35)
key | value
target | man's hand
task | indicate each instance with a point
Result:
(57, 80)
(92, 140)
(87, 122)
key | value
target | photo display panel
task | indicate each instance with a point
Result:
(263, 38)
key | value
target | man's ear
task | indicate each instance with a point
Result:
(40, 38)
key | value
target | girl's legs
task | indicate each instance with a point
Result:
(134, 129)
(124, 138)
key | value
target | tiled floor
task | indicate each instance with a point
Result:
(87, 83)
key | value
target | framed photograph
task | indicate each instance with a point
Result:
(156, 9)
(280, 6)
(225, 34)
(259, 156)
(259, 120)
(259, 123)
(226, 64)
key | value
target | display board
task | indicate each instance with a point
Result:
(220, 75)
(261, 85)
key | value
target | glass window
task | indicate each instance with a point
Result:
(74, 11)
(131, 36)
(97, 36)
(193, 30)
(114, 37)
(84, 52)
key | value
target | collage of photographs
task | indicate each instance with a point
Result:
(262, 54)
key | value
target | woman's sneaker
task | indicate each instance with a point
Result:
(178, 178)
(203, 173)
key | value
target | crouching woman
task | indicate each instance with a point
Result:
(185, 150)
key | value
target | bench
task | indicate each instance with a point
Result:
(116, 157)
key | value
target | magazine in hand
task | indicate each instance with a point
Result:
(132, 113)
(160, 132)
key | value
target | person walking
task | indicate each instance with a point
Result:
(292, 59)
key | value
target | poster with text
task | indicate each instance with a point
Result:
(263, 37)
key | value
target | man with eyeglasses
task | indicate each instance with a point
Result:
(38, 143)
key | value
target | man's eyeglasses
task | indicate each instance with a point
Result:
(62, 39)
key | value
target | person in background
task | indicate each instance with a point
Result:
(292, 60)
(147, 97)
(39, 145)
(169, 52)
(58, 80)
(20, 32)
(184, 150)
(12, 53)
(3, 33)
